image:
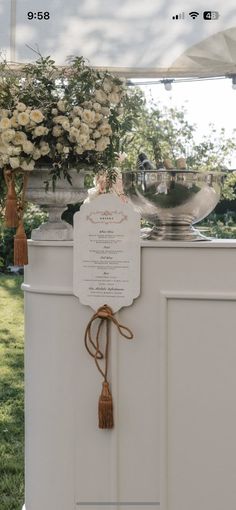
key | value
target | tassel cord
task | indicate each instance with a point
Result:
(105, 314)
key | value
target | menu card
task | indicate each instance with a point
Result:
(107, 253)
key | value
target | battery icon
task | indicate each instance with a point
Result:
(210, 15)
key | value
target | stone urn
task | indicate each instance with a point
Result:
(55, 201)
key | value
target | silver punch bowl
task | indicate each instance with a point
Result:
(173, 200)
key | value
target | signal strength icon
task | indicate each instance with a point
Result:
(194, 14)
(179, 16)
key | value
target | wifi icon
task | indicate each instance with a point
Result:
(194, 14)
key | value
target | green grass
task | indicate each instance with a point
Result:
(11, 394)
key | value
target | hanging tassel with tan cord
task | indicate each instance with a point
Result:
(11, 215)
(20, 239)
(105, 404)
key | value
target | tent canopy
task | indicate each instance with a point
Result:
(133, 37)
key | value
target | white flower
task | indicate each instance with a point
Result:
(61, 105)
(84, 129)
(5, 123)
(107, 85)
(102, 143)
(4, 112)
(98, 117)
(23, 118)
(59, 147)
(74, 132)
(40, 131)
(114, 98)
(21, 107)
(96, 134)
(54, 111)
(96, 107)
(66, 125)
(90, 145)
(28, 147)
(36, 154)
(8, 135)
(14, 122)
(59, 119)
(14, 162)
(76, 122)
(66, 150)
(105, 111)
(36, 116)
(16, 151)
(56, 131)
(20, 138)
(78, 110)
(100, 96)
(44, 148)
(79, 149)
(88, 116)
(28, 167)
(83, 139)
(105, 129)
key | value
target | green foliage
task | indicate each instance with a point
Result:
(11, 394)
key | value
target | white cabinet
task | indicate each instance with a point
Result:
(174, 386)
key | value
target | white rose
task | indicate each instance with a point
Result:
(79, 149)
(8, 135)
(114, 98)
(59, 119)
(4, 112)
(23, 118)
(61, 105)
(59, 147)
(56, 131)
(66, 125)
(84, 129)
(28, 167)
(105, 129)
(4, 159)
(105, 111)
(16, 151)
(100, 96)
(36, 116)
(78, 110)
(28, 147)
(90, 145)
(5, 123)
(66, 150)
(88, 116)
(96, 134)
(98, 117)
(20, 138)
(74, 132)
(102, 143)
(76, 122)
(14, 162)
(54, 111)
(96, 107)
(83, 139)
(21, 107)
(44, 148)
(40, 131)
(14, 123)
(36, 154)
(107, 85)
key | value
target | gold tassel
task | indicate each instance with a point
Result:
(20, 246)
(105, 408)
(11, 216)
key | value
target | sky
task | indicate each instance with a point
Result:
(207, 101)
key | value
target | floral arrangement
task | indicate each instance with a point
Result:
(62, 119)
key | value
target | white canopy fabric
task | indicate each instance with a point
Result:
(133, 37)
